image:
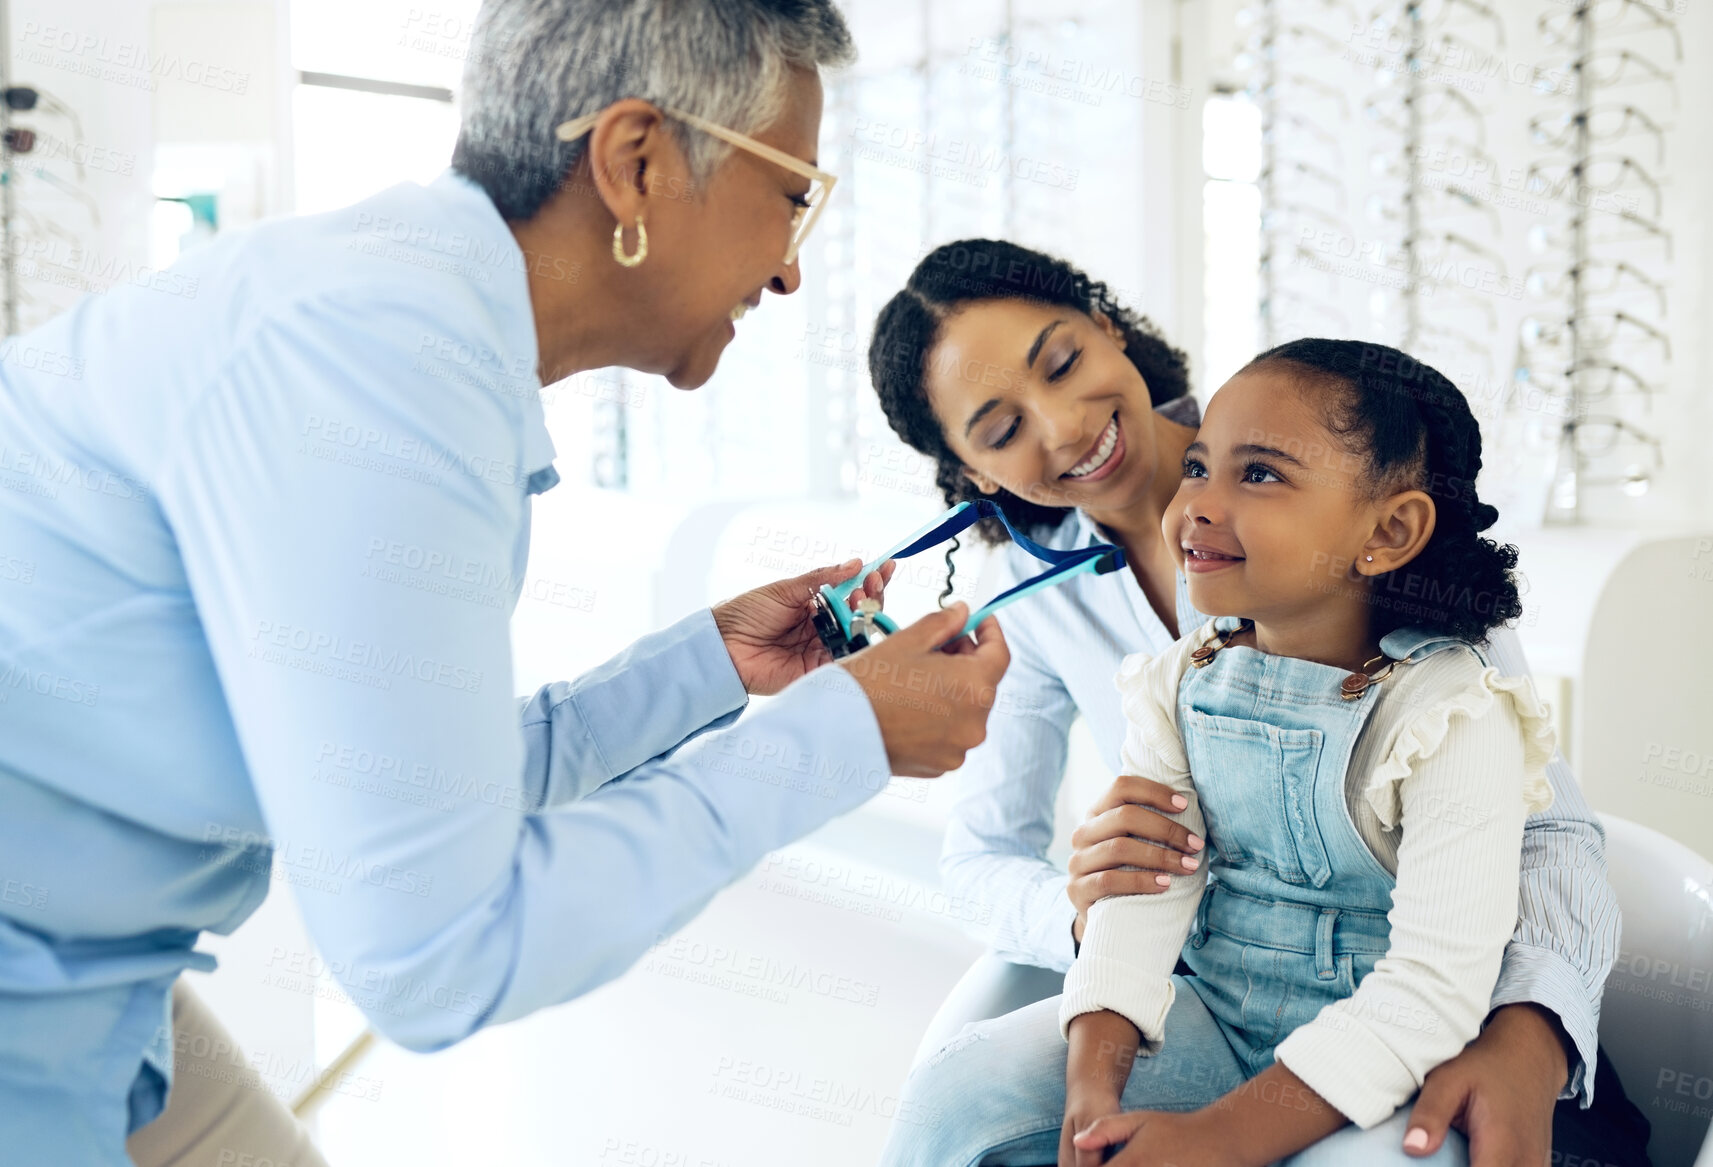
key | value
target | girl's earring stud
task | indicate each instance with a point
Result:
(1370, 559)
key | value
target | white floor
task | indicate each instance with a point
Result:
(776, 1029)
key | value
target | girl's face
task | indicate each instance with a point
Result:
(1269, 517)
(1042, 401)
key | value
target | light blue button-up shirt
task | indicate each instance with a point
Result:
(1066, 644)
(263, 522)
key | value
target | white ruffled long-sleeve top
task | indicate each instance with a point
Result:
(1451, 760)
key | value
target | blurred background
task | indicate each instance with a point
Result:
(1513, 190)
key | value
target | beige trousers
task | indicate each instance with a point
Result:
(220, 1113)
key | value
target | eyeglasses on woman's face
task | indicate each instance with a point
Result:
(809, 204)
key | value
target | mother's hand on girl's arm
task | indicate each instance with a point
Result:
(1128, 846)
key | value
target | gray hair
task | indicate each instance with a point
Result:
(535, 63)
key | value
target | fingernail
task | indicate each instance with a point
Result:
(1416, 1140)
(1191, 862)
(1195, 842)
(1180, 801)
(1163, 880)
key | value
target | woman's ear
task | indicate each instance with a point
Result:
(625, 147)
(1402, 527)
(982, 482)
(1105, 324)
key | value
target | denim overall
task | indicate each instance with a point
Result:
(1292, 918)
(1294, 915)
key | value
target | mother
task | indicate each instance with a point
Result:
(1030, 385)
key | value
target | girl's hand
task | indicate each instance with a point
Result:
(1083, 1109)
(1155, 1138)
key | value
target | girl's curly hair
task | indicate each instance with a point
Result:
(966, 272)
(1416, 431)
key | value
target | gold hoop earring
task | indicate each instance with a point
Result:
(641, 244)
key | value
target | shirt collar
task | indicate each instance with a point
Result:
(510, 269)
(1415, 640)
(1087, 534)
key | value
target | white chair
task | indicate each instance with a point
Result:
(1600, 601)
(1656, 1019)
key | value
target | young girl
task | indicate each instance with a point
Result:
(1359, 772)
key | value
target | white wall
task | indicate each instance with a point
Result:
(1686, 418)
(69, 48)
(189, 92)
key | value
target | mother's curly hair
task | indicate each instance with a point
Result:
(955, 275)
(1415, 429)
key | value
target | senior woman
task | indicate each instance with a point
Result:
(227, 662)
(1083, 440)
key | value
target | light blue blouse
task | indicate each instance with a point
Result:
(263, 522)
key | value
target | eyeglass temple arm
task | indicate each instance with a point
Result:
(572, 130)
(575, 128)
(1100, 564)
(1100, 559)
(931, 534)
(964, 516)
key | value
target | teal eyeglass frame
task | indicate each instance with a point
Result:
(844, 631)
